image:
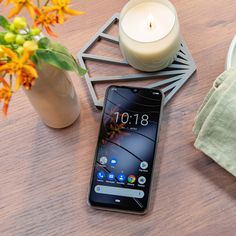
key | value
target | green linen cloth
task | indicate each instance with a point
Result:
(215, 124)
(212, 97)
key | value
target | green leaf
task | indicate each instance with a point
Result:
(59, 48)
(57, 55)
(44, 43)
(4, 22)
(59, 60)
(35, 60)
(2, 40)
(81, 70)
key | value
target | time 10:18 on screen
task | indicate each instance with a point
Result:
(135, 119)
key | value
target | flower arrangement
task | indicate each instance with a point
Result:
(23, 46)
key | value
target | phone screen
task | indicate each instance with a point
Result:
(123, 166)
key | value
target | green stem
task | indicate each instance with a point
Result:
(4, 74)
(38, 3)
(46, 3)
(11, 81)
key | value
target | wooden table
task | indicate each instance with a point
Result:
(44, 173)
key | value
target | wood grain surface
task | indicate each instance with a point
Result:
(44, 173)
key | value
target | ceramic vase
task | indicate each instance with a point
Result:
(54, 98)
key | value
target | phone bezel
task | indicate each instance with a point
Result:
(154, 159)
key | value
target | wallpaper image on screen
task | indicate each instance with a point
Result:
(126, 148)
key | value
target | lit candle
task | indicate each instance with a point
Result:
(149, 34)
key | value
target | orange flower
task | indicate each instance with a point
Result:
(21, 67)
(2, 62)
(19, 4)
(27, 81)
(61, 7)
(46, 20)
(5, 94)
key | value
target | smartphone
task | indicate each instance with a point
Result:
(126, 149)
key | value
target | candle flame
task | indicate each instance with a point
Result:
(150, 20)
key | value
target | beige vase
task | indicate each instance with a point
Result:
(54, 98)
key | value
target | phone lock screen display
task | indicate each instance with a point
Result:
(123, 166)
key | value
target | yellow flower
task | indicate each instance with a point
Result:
(5, 94)
(62, 8)
(21, 67)
(19, 4)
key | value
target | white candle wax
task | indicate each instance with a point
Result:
(148, 22)
(149, 34)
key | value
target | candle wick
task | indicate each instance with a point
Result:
(150, 24)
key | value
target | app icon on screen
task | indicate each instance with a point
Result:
(103, 160)
(131, 179)
(113, 161)
(111, 176)
(101, 175)
(144, 165)
(142, 180)
(121, 177)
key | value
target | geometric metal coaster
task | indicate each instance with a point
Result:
(174, 76)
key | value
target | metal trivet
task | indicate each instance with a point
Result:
(175, 76)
